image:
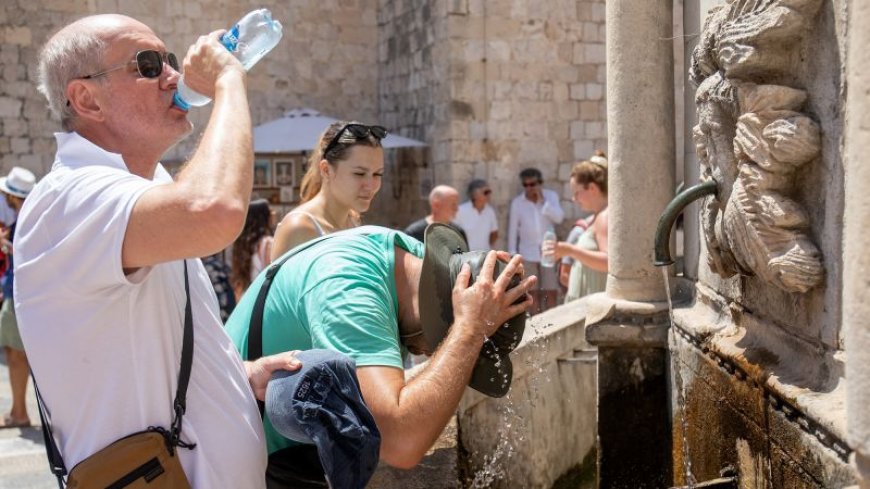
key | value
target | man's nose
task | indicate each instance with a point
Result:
(171, 76)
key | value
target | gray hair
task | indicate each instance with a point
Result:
(69, 54)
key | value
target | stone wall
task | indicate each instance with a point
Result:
(526, 85)
(493, 87)
(412, 99)
(542, 434)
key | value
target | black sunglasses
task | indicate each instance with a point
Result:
(149, 63)
(359, 131)
(531, 184)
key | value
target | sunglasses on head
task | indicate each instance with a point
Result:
(359, 131)
(149, 63)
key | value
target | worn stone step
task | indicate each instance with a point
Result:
(23, 463)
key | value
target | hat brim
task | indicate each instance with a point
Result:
(493, 370)
(4, 187)
(436, 286)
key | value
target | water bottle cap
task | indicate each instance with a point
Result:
(179, 102)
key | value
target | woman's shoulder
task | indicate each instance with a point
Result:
(296, 228)
(600, 222)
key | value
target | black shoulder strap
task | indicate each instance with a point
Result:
(255, 327)
(180, 404)
(55, 460)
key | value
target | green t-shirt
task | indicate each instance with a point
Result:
(338, 293)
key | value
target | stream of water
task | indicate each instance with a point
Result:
(689, 479)
(513, 425)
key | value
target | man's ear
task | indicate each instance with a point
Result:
(81, 95)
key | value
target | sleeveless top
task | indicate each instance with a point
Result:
(583, 280)
(320, 231)
(262, 256)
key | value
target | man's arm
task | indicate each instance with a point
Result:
(411, 416)
(493, 227)
(205, 208)
(552, 209)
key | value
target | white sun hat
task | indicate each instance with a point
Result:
(19, 182)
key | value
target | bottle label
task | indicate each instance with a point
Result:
(230, 39)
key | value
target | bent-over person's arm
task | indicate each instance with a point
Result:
(411, 417)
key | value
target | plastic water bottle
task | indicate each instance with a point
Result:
(249, 40)
(548, 256)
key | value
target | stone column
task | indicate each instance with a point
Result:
(629, 322)
(856, 238)
(640, 133)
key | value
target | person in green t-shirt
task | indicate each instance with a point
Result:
(358, 292)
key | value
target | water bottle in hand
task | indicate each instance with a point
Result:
(548, 249)
(249, 40)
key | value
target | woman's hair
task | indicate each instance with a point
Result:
(593, 170)
(312, 180)
(256, 226)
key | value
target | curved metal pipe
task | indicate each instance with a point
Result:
(669, 216)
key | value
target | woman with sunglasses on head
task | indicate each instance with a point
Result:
(588, 273)
(344, 175)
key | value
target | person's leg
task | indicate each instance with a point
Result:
(549, 287)
(19, 369)
(534, 268)
(19, 372)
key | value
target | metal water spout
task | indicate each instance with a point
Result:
(728, 480)
(669, 216)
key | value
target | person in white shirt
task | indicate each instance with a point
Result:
(532, 214)
(104, 239)
(477, 217)
(444, 204)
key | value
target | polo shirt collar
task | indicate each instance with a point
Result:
(74, 151)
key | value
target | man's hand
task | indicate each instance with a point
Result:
(487, 304)
(206, 61)
(260, 371)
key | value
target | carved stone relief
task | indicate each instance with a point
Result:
(751, 138)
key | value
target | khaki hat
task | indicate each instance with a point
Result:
(445, 253)
(19, 182)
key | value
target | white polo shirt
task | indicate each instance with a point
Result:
(105, 348)
(478, 225)
(528, 221)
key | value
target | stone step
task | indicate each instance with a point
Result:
(23, 464)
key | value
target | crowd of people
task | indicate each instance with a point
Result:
(314, 314)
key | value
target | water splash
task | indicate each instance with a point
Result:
(678, 380)
(513, 427)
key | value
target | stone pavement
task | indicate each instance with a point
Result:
(22, 455)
